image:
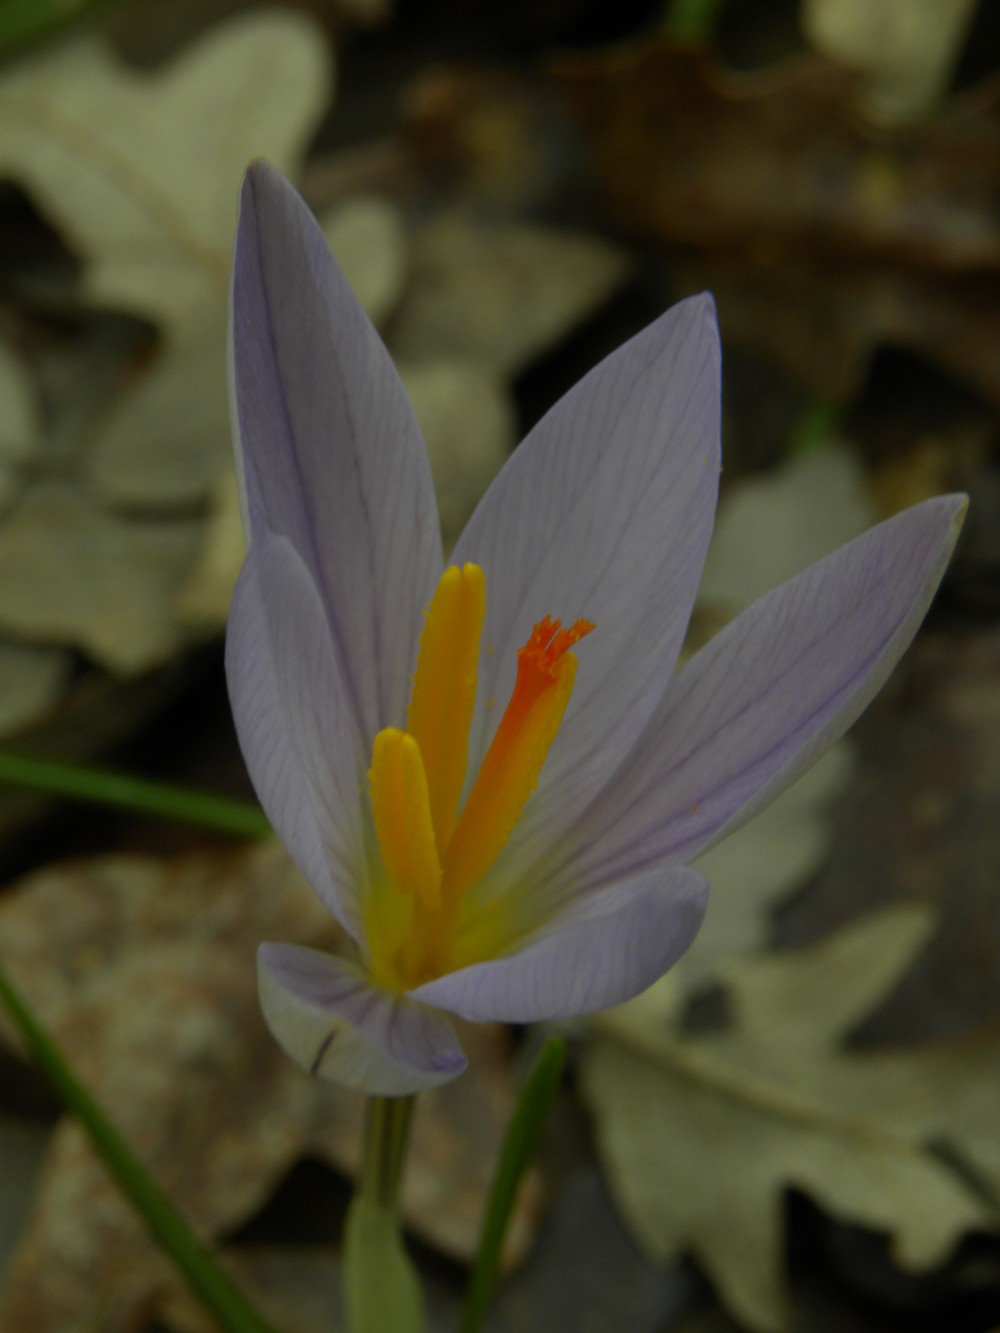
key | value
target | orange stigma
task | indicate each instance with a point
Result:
(432, 851)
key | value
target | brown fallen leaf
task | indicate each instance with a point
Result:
(821, 236)
(144, 971)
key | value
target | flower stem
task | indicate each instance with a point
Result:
(380, 1285)
(386, 1135)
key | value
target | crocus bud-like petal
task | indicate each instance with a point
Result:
(600, 953)
(335, 1023)
(328, 446)
(604, 511)
(765, 698)
(294, 721)
(531, 865)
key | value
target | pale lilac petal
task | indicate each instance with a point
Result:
(600, 952)
(295, 724)
(331, 455)
(336, 1024)
(604, 512)
(769, 694)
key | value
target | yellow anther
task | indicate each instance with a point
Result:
(509, 774)
(402, 813)
(444, 689)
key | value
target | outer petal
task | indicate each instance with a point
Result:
(605, 512)
(769, 694)
(334, 1023)
(294, 721)
(328, 447)
(599, 953)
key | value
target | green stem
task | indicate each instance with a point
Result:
(387, 1132)
(381, 1290)
(99, 787)
(519, 1147)
(213, 1287)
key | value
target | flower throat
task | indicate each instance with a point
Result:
(433, 853)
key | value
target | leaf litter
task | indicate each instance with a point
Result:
(144, 971)
(703, 1136)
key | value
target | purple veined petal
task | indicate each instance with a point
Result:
(604, 512)
(601, 951)
(329, 452)
(294, 719)
(335, 1024)
(769, 695)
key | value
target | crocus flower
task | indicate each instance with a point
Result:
(491, 773)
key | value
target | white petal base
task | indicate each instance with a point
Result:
(336, 1024)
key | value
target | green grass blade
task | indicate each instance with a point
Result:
(515, 1157)
(213, 1287)
(102, 787)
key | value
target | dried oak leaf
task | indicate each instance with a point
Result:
(702, 1137)
(95, 578)
(500, 293)
(31, 677)
(906, 49)
(820, 235)
(139, 170)
(145, 973)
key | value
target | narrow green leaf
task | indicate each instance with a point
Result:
(381, 1289)
(515, 1157)
(690, 20)
(101, 787)
(24, 22)
(816, 425)
(213, 1287)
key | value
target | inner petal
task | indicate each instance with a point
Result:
(431, 854)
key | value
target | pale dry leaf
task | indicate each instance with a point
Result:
(772, 526)
(203, 600)
(500, 294)
(139, 170)
(906, 48)
(91, 578)
(165, 440)
(32, 679)
(469, 424)
(702, 1137)
(368, 239)
(145, 973)
(20, 423)
(761, 864)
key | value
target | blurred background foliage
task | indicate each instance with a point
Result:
(798, 1127)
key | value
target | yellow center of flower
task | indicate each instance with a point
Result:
(432, 851)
